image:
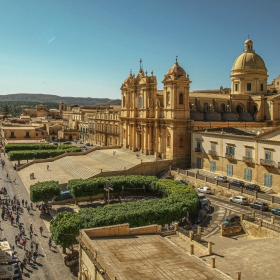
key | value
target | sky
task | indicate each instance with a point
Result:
(86, 48)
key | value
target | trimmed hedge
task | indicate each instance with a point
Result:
(178, 200)
(44, 191)
(41, 154)
(20, 147)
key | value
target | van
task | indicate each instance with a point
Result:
(63, 196)
(232, 219)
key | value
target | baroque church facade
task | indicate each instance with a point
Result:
(159, 122)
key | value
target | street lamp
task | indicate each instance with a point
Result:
(107, 188)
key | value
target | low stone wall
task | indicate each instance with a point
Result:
(232, 230)
(259, 232)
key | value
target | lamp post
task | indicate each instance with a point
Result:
(107, 188)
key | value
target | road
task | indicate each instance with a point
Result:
(49, 265)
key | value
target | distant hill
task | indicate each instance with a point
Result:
(42, 98)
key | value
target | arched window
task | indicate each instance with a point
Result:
(140, 105)
(181, 99)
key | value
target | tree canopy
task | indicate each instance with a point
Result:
(44, 191)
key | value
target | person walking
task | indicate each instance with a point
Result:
(31, 227)
(48, 168)
(21, 266)
(37, 247)
(41, 230)
(35, 255)
(50, 243)
(28, 209)
(16, 239)
(30, 235)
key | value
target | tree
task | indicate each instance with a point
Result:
(44, 191)
(64, 229)
(6, 110)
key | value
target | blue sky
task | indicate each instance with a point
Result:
(87, 47)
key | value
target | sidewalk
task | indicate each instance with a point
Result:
(50, 264)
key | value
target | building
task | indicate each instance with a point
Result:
(41, 111)
(250, 154)
(120, 252)
(156, 122)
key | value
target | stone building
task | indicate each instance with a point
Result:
(156, 121)
(250, 154)
(41, 111)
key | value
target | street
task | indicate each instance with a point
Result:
(49, 264)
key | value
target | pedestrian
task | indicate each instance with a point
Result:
(22, 202)
(41, 230)
(30, 235)
(12, 220)
(31, 228)
(16, 239)
(21, 266)
(25, 203)
(37, 247)
(17, 219)
(7, 175)
(35, 255)
(31, 245)
(31, 205)
(24, 242)
(28, 208)
(50, 243)
(48, 168)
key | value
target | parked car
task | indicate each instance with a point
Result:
(221, 178)
(275, 211)
(237, 183)
(259, 205)
(67, 142)
(87, 144)
(182, 182)
(205, 205)
(202, 198)
(239, 199)
(204, 189)
(63, 195)
(201, 215)
(253, 187)
(232, 219)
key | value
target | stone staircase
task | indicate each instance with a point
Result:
(39, 173)
(112, 161)
(75, 169)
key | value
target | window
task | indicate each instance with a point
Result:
(205, 107)
(267, 180)
(27, 134)
(213, 147)
(116, 141)
(236, 87)
(230, 150)
(198, 145)
(261, 87)
(212, 166)
(248, 154)
(116, 129)
(249, 86)
(111, 128)
(140, 105)
(267, 157)
(247, 174)
(181, 99)
(198, 162)
(223, 107)
(229, 170)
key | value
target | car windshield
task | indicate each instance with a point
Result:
(201, 197)
(225, 220)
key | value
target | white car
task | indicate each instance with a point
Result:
(221, 178)
(204, 190)
(239, 199)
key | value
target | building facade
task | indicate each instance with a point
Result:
(248, 154)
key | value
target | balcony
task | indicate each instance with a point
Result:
(198, 150)
(267, 162)
(248, 159)
(229, 156)
(212, 153)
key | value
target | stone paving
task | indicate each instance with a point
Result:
(50, 264)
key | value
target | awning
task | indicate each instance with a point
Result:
(5, 246)
(6, 256)
(7, 271)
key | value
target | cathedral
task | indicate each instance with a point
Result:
(159, 122)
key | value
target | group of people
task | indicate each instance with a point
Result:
(32, 176)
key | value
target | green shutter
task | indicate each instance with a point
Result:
(268, 180)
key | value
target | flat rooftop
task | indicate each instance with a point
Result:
(150, 257)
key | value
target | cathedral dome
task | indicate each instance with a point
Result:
(176, 70)
(248, 59)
